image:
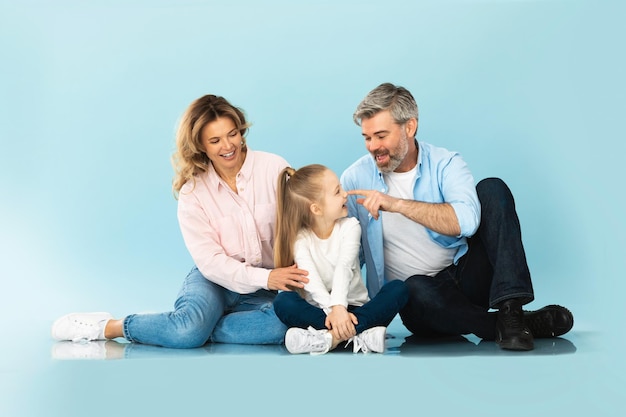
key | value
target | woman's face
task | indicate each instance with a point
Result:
(222, 143)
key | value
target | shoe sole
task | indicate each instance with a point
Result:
(560, 321)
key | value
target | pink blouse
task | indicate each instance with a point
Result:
(230, 236)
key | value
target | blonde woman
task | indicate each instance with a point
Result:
(226, 210)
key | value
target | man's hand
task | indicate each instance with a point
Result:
(341, 323)
(374, 201)
(439, 217)
(287, 278)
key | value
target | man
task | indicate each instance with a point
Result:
(456, 245)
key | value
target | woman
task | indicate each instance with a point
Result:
(226, 211)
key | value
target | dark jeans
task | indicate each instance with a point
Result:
(494, 269)
(295, 311)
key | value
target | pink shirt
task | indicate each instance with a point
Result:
(230, 236)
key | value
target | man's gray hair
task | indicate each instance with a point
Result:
(398, 100)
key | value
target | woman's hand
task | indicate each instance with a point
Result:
(287, 278)
(341, 323)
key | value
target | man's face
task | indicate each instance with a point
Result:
(387, 141)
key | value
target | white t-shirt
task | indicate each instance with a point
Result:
(333, 266)
(408, 248)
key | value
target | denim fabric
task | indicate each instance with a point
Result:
(295, 311)
(494, 269)
(205, 311)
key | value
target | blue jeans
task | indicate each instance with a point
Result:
(295, 311)
(494, 269)
(206, 312)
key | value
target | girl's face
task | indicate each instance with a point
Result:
(334, 198)
(222, 143)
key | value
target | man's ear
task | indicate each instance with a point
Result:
(411, 127)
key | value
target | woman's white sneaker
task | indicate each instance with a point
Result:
(315, 342)
(80, 326)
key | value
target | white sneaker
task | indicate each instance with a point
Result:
(80, 326)
(315, 342)
(370, 340)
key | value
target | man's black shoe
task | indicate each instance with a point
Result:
(550, 321)
(511, 331)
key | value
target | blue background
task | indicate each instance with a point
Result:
(529, 91)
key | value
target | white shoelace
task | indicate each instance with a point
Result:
(317, 341)
(358, 344)
(88, 331)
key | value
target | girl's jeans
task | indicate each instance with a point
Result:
(295, 311)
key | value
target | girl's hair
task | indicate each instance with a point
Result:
(189, 159)
(297, 190)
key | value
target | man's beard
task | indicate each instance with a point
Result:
(396, 158)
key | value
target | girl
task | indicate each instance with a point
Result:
(313, 232)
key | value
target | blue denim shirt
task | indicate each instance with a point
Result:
(442, 176)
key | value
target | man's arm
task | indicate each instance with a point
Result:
(438, 217)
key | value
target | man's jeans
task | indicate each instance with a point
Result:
(295, 311)
(494, 269)
(205, 311)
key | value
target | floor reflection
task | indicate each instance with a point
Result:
(396, 345)
(462, 346)
(112, 349)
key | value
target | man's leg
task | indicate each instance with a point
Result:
(437, 306)
(494, 273)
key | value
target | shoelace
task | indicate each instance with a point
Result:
(515, 320)
(317, 341)
(358, 344)
(91, 331)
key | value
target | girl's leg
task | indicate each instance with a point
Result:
(381, 309)
(198, 308)
(295, 311)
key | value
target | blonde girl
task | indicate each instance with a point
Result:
(313, 232)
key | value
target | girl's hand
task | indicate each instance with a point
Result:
(341, 323)
(287, 278)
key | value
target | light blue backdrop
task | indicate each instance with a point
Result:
(530, 91)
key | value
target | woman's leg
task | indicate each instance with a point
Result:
(250, 319)
(198, 308)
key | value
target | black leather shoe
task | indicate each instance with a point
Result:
(549, 321)
(512, 333)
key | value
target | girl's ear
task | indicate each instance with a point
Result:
(315, 209)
